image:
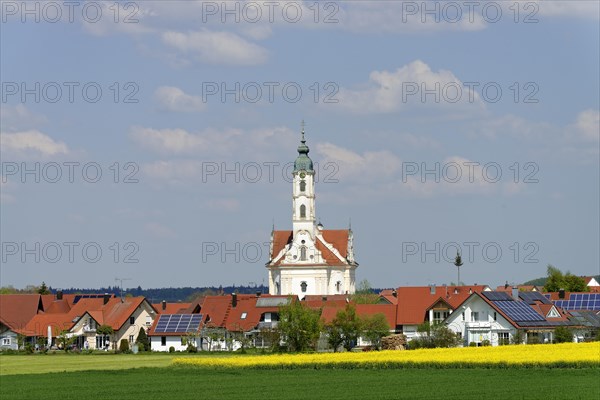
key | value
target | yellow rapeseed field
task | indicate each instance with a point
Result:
(542, 355)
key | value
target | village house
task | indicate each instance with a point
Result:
(497, 318)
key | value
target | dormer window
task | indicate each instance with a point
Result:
(302, 186)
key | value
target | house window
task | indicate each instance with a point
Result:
(148, 320)
(244, 315)
(503, 338)
(130, 338)
(495, 315)
(131, 320)
(463, 316)
(303, 286)
(475, 316)
(302, 211)
(439, 316)
(5, 341)
(459, 335)
(163, 340)
(302, 186)
(303, 253)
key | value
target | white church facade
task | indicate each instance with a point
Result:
(309, 260)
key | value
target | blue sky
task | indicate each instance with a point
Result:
(161, 121)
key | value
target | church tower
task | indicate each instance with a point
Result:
(309, 260)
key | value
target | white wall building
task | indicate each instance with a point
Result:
(309, 260)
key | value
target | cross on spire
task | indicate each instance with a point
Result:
(303, 125)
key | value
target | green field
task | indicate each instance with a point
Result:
(151, 377)
(178, 383)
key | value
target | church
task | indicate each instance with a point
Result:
(309, 260)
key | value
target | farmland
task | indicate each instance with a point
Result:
(177, 376)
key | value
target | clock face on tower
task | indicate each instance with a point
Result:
(302, 174)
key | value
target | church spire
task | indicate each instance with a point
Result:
(303, 161)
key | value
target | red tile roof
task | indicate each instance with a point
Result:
(172, 308)
(415, 301)
(16, 310)
(338, 238)
(114, 313)
(330, 310)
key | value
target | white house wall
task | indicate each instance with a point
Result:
(477, 331)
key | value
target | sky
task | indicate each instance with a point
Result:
(151, 141)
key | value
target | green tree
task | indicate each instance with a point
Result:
(300, 326)
(335, 338)
(142, 340)
(575, 283)
(124, 346)
(364, 294)
(349, 324)
(562, 334)
(64, 340)
(43, 289)
(557, 280)
(434, 335)
(375, 327)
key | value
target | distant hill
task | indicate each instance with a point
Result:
(542, 281)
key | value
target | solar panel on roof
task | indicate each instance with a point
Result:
(518, 311)
(581, 301)
(496, 296)
(532, 297)
(178, 323)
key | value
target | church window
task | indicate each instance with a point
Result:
(302, 211)
(302, 186)
(338, 286)
(303, 286)
(303, 253)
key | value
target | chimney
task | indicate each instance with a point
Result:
(258, 293)
(233, 300)
(515, 293)
(561, 293)
(506, 285)
(432, 289)
(164, 305)
(59, 295)
(106, 298)
(394, 293)
(455, 290)
(470, 291)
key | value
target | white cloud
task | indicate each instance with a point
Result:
(174, 99)
(406, 87)
(19, 117)
(588, 125)
(225, 143)
(223, 48)
(359, 167)
(32, 141)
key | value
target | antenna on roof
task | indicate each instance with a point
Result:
(120, 280)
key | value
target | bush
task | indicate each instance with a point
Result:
(190, 349)
(472, 344)
(562, 334)
(486, 343)
(124, 346)
(171, 349)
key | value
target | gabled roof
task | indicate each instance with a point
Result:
(330, 310)
(16, 310)
(114, 313)
(414, 301)
(542, 321)
(172, 308)
(338, 238)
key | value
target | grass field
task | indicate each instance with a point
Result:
(155, 376)
(187, 383)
